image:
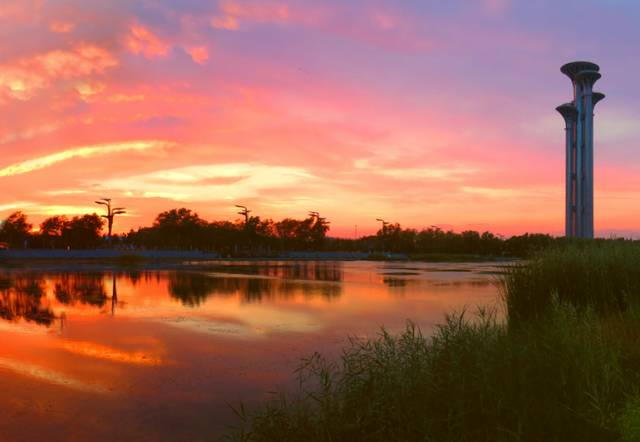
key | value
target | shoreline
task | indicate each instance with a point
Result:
(196, 255)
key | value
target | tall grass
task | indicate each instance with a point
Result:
(604, 275)
(569, 371)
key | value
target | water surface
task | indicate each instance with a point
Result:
(157, 355)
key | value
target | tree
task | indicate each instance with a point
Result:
(51, 230)
(180, 228)
(16, 230)
(83, 232)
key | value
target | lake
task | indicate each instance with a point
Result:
(101, 353)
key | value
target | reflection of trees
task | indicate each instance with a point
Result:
(191, 288)
(312, 271)
(80, 289)
(21, 298)
(392, 282)
(261, 282)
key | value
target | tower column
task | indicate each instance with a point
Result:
(570, 114)
(579, 158)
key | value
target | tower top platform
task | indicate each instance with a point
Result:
(575, 67)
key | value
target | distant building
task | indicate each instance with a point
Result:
(578, 118)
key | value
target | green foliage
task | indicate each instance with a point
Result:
(569, 372)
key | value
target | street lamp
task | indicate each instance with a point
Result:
(244, 212)
(384, 223)
(111, 213)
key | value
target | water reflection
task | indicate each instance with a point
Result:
(158, 352)
(305, 270)
(72, 289)
(257, 281)
(192, 289)
(21, 297)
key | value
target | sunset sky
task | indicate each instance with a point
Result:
(421, 112)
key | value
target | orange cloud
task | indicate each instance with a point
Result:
(81, 152)
(142, 41)
(22, 80)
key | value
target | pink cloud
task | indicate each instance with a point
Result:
(61, 27)
(142, 41)
(234, 11)
(199, 54)
(380, 27)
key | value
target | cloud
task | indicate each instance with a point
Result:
(61, 27)
(125, 98)
(385, 28)
(51, 210)
(64, 192)
(28, 134)
(17, 205)
(87, 91)
(226, 22)
(199, 54)
(22, 79)
(79, 152)
(210, 182)
(233, 12)
(19, 11)
(142, 41)
(445, 173)
(503, 193)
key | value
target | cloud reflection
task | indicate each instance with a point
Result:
(50, 376)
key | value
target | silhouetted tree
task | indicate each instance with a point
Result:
(51, 230)
(16, 230)
(179, 228)
(83, 232)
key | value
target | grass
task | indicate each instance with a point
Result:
(563, 366)
(604, 275)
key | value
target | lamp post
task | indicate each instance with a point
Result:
(111, 213)
(384, 230)
(244, 212)
(384, 225)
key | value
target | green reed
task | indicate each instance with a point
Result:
(564, 366)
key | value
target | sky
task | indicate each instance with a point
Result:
(421, 112)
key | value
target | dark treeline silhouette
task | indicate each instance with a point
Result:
(79, 232)
(253, 236)
(184, 229)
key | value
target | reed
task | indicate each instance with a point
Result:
(563, 366)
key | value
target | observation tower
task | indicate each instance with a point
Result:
(578, 118)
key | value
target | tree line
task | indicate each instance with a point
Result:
(183, 228)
